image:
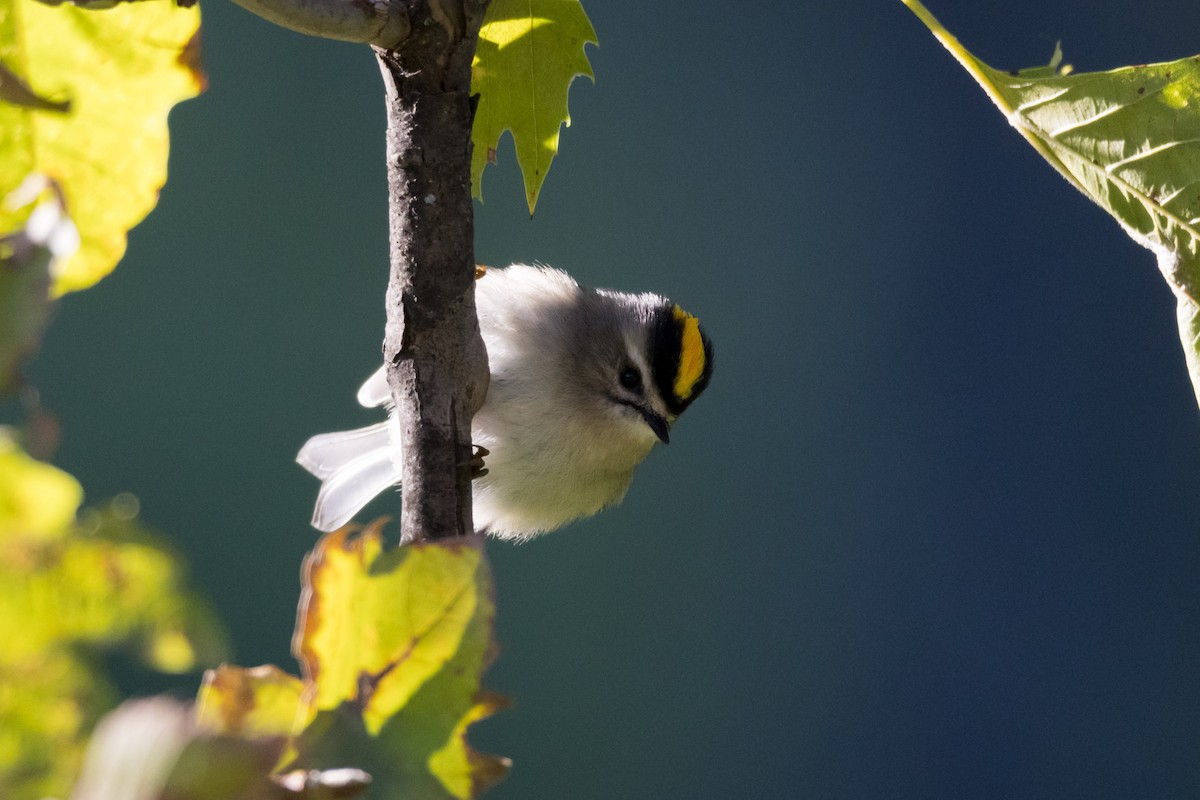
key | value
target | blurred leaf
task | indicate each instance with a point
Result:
(121, 70)
(37, 501)
(40, 433)
(223, 768)
(133, 749)
(1129, 139)
(29, 259)
(150, 750)
(392, 646)
(332, 784)
(101, 581)
(528, 54)
(257, 702)
(47, 701)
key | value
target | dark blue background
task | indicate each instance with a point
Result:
(932, 532)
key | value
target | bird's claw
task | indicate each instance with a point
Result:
(478, 470)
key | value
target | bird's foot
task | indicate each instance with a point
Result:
(478, 470)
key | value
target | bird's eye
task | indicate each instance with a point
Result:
(631, 379)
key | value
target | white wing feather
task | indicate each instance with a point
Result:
(375, 392)
(326, 453)
(353, 486)
(353, 466)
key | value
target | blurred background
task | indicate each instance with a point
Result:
(932, 532)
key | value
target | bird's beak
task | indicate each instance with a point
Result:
(658, 424)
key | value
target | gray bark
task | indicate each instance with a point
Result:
(437, 367)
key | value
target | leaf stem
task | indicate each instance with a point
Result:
(983, 75)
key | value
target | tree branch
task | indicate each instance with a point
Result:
(380, 22)
(437, 366)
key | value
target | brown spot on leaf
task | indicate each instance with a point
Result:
(486, 769)
(235, 693)
(189, 58)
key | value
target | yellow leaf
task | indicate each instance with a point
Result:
(170, 651)
(121, 70)
(392, 645)
(258, 702)
(377, 627)
(66, 585)
(36, 500)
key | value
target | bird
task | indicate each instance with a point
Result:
(583, 383)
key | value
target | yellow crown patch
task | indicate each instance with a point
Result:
(691, 354)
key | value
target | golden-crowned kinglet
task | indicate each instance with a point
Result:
(583, 383)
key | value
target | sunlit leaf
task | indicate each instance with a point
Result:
(378, 627)
(393, 645)
(1129, 139)
(16, 91)
(37, 501)
(121, 70)
(529, 52)
(47, 701)
(67, 585)
(397, 642)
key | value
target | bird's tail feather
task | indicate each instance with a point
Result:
(353, 466)
(326, 453)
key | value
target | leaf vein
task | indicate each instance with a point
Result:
(1156, 208)
(1149, 152)
(1083, 123)
(1041, 101)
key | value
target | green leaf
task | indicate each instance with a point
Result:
(1129, 139)
(528, 54)
(392, 645)
(121, 70)
(396, 643)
